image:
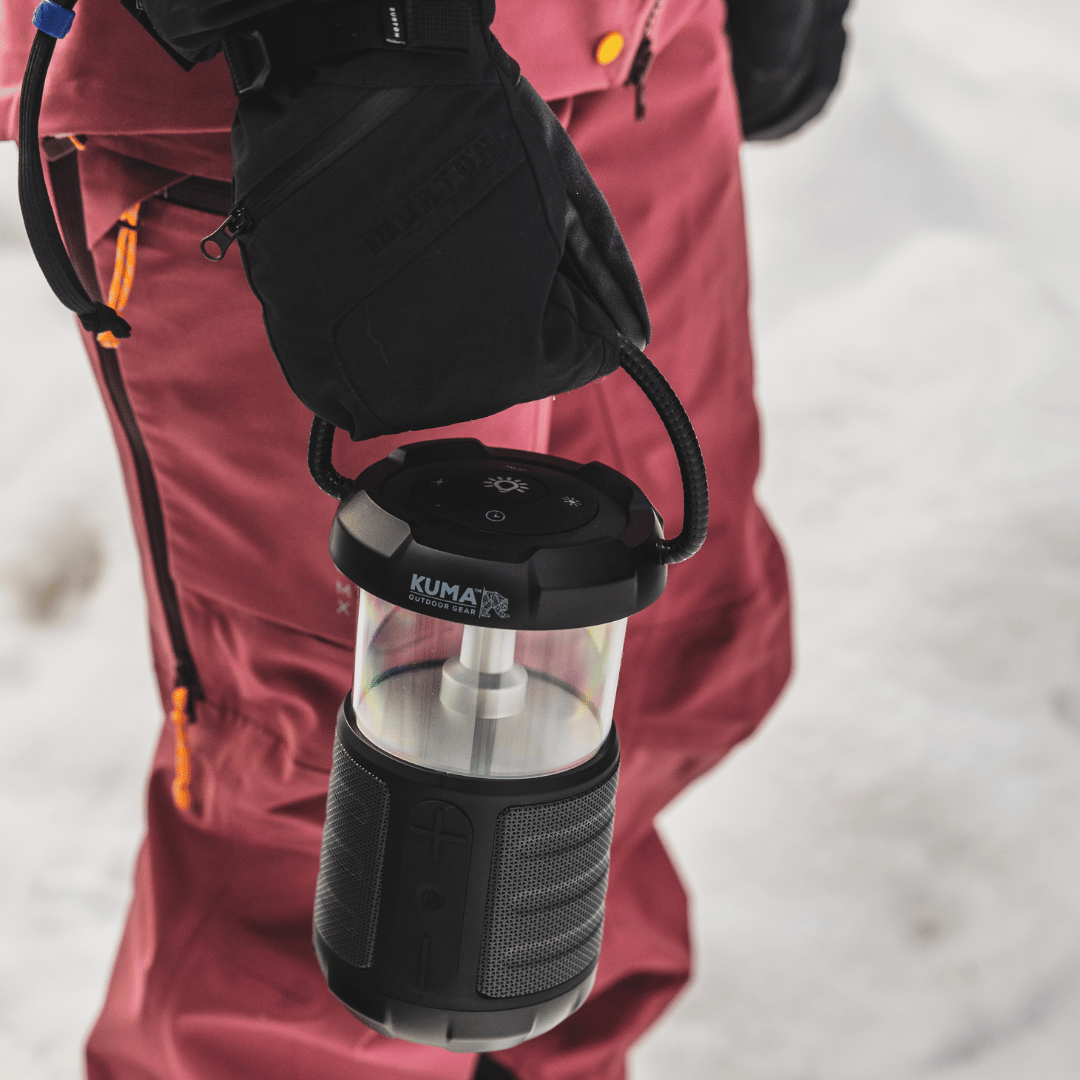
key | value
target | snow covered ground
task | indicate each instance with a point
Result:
(886, 879)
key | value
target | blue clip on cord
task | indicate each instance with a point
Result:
(53, 19)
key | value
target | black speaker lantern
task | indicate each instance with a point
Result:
(460, 900)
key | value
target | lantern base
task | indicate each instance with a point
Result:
(461, 912)
(459, 1031)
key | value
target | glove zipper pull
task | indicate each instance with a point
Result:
(237, 222)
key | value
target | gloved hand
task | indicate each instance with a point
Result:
(426, 243)
(786, 56)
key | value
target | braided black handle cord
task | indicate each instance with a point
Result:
(687, 451)
(320, 459)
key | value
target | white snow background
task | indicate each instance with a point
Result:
(886, 879)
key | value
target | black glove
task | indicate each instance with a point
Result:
(786, 56)
(426, 243)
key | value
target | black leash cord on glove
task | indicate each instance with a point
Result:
(681, 432)
(53, 21)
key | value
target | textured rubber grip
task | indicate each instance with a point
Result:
(545, 908)
(351, 865)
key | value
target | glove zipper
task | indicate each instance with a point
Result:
(306, 164)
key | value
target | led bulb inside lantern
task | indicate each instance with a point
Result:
(484, 682)
(483, 701)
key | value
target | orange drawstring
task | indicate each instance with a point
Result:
(123, 269)
(181, 787)
(79, 144)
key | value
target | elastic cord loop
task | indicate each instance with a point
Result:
(38, 217)
(123, 270)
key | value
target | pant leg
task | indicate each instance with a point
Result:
(703, 665)
(216, 977)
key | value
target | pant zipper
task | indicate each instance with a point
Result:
(186, 676)
(64, 173)
(642, 63)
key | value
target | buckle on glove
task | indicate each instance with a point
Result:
(249, 62)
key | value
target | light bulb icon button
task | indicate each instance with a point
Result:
(497, 487)
(507, 485)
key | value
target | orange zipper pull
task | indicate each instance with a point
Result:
(181, 786)
(123, 270)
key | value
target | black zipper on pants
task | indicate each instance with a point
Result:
(67, 188)
(642, 62)
(186, 675)
(314, 157)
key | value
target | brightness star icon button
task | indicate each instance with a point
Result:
(571, 501)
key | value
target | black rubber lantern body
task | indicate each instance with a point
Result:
(461, 889)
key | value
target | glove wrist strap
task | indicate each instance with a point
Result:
(307, 34)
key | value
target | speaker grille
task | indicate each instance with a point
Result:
(351, 863)
(545, 906)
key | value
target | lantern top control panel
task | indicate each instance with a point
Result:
(495, 537)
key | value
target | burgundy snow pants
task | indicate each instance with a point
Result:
(215, 977)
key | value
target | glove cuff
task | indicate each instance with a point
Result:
(303, 34)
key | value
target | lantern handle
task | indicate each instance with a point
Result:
(320, 459)
(680, 430)
(664, 400)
